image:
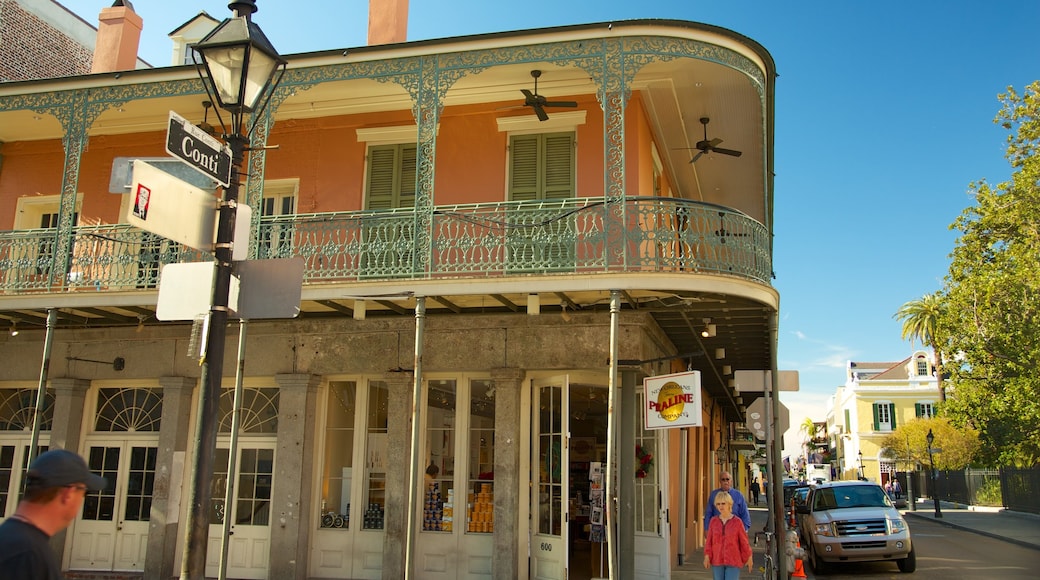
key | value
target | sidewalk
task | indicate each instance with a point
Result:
(1016, 527)
(693, 568)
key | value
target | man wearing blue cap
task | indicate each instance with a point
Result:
(55, 486)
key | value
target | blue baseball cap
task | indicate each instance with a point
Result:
(61, 467)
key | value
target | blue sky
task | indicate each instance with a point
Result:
(884, 117)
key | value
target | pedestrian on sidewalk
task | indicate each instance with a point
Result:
(726, 547)
(55, 486)
(740, 508)
(754, 489)
(896, 488)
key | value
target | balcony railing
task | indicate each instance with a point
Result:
(566, 236)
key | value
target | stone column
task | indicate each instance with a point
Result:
(295, 467)
(170, 459)
(68, 420)
(66, 427)
(506, 544)
(398, 445)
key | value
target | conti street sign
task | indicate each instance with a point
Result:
(200, 151)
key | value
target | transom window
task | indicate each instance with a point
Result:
(259, 410)
(18, 410)
(128, 410)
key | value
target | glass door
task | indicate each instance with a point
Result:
(549, 534)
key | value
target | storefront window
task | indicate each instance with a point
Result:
(480, 493)
(338, 473)
(439, 493)
(376, 459)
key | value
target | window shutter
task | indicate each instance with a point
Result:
(877, 422)
(559, 165)
(523, 174)
(380, 194)
(408, 176)
(848, 422)
(892, 415)
(917, 410)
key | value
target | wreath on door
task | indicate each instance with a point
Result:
(646, 462)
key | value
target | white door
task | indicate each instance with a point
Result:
(549, 456)
(13, 459)
(111, 532)
(249, 544)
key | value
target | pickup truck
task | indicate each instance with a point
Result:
(853, 521)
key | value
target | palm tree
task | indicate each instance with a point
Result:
(920, 318)
(808, 427)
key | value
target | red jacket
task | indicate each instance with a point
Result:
(727, 543)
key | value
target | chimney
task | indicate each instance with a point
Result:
(387, 21)
(119, 33)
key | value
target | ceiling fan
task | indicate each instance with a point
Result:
(538, 102)
(706, 146)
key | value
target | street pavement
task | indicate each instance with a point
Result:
(1015, 527)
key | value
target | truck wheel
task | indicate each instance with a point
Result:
(818, 565)
(909, 564)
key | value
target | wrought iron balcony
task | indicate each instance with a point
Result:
(558, 237)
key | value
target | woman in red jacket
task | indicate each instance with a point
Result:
(726, 547)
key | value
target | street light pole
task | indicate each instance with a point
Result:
(240, 63)
(930, 438)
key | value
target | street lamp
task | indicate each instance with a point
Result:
(861, 475)
(240, 66)
(930, 438)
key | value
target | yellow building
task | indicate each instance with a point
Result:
(876, 399)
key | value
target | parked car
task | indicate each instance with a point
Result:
(854, 521)
(798, 497)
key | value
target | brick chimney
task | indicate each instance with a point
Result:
(119, 33)
(387, 21)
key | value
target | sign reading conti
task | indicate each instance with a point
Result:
(672, 401)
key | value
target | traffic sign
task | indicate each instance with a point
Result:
(171, 208)
(200, 151)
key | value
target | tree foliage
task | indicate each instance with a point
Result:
(990, 322)
(908, 445)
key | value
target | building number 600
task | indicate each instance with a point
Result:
(546, 547)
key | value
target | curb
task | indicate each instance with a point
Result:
(973, 530)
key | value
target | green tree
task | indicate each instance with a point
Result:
(908, 445)
(920, 319)
(991, 295)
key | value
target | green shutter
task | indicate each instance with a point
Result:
(917, 410)
(541, 166)
(523, 174)
(391, 176)
(877, 422)
(559, 165)
(848, 422)
(408, 176)
(381, 171)
(892, 414)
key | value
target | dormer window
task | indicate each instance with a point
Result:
(922, 367)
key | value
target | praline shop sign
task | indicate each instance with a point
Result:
(672, 401)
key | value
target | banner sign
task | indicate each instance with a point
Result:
(672, 401)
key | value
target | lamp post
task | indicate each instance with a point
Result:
(861, 474)
(930, 438)
(240, 65)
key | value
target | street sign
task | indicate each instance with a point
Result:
(171, 208)
(123, 173)
(202, 152)
(755, 381)
(756, 421)
(260, 289)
